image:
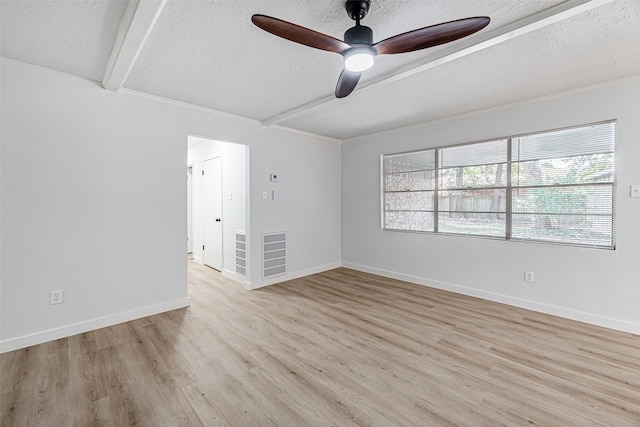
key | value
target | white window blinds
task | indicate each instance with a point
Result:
(472, 183)
(563, 185)
(409, 186)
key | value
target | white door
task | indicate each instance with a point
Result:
(212, 201)
(189, 210)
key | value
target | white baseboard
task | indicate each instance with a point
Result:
(567, 313)
(233, 275)
(90, 325)
(291, 276)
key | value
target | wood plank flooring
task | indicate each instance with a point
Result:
(341, 348)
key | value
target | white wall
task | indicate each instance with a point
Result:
(592, 285)
(307, 205)
(94, 201)
(234, 182)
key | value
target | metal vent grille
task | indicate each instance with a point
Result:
(241, 253)
(274, 254)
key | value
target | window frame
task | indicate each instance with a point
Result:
(509, 188)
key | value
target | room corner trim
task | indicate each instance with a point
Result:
(233, 275)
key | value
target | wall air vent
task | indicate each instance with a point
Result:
(274, 254)
(241, 253)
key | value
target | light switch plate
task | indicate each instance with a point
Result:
(635, 190)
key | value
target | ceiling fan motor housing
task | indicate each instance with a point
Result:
(357, 9)
(359, 35)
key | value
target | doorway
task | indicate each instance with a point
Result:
(219, 190)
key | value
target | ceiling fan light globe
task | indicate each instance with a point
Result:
(358, 61)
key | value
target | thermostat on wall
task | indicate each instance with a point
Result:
(273, 177)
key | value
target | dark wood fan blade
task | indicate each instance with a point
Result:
(431, 36)
(299, 34)
(346, 83)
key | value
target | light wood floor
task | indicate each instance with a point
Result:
(339, 348)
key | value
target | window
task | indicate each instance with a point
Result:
(555, 186)
(562, 186)
(472, 188)
(409, 182)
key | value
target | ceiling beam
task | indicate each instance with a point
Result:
(463, 48)
(135, 27)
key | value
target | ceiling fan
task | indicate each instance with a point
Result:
(358, 48)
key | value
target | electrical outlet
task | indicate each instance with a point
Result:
(56, 297)
(528, 276)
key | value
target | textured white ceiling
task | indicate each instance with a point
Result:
(73, 37)
(208, 53)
